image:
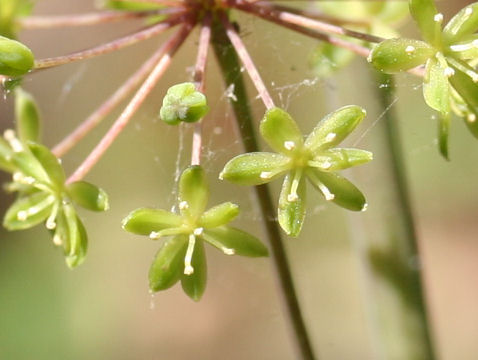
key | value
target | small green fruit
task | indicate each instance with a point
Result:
(183, 103)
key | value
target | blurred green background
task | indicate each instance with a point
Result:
(103, 309)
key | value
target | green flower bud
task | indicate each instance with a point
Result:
(183, 103)
(15, 58)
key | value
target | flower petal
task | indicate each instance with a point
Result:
(78, 238)
(464, 23)
(28, 211)
(27, 116)
(334, 128)
(6, 155)
(144, 221)
(168, 265)
(88, 196)
(255, 168)
(436, 88)
(221, 214)
(50, 163)
(337, 189)
(193, 192)
(194, 284)
(233, 241)
(281, 131)
(292, 203)
(339, 159)
(396, 55)
(428, 19)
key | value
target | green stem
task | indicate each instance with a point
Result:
(231, 69)
(389, 253)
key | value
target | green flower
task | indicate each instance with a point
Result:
(39, 179)
(182, 257)
(450, 82)
(315, 159)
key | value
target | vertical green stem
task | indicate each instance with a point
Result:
(389, 252)
(230, 66)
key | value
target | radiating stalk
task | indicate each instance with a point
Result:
(387, 247)
(231, 69)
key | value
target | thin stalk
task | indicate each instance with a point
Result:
(389, 254)
(200, 80)
(303, 21)
(343, 43)
(231, 69)
(50, 22)
(172, 46)
(114, 45)
(247, 61)
(109, 105)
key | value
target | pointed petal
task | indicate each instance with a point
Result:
(281, 131)
(78, 238)
(428, 20)
(27, 116)
(337, 189)
(396, 55)
(50, 163)
(193, 192)
(6, 155)
(195, 283)
(464, 23)
(255, 168)
(292, 203)
(436, 88)
(167, 265)
(88, 196)
(334, 128)
(28, 211)
(143, 221)
(339, 159)
(221, 214)
(233, 241)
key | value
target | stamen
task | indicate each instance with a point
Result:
(330, 137)
(449, 72)
(198, 231)
(471, 118)
(266, 175)
(16, 145)
(325, 190)
(50, 222)
(228, 251)
(57, 240)
(188, 269)
(289, 145)
(183, 205)
(292, 196)
(365, 207)
(438, 18)
(410, 49)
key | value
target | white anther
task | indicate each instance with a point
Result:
(228, 251)
(183, 205)
(330, 137)
(16, 145)
(410, 49)
(221, 176)
(449, 72)
(154, 235)
(57, 240)
(468, 11)
(50, 223)
(265, 175)
(327, 194)
(475, 43)
(188, 270)
(22, 215)
(198, 231)
(471, 118)
(364, 207)
(289, 145)
(326, 165)
(438, 17)
(292, 197)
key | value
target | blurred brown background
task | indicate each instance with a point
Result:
(103, 309)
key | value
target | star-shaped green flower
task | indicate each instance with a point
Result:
(39, 179)
(182, 257)
(315, 159)
(450, 82)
